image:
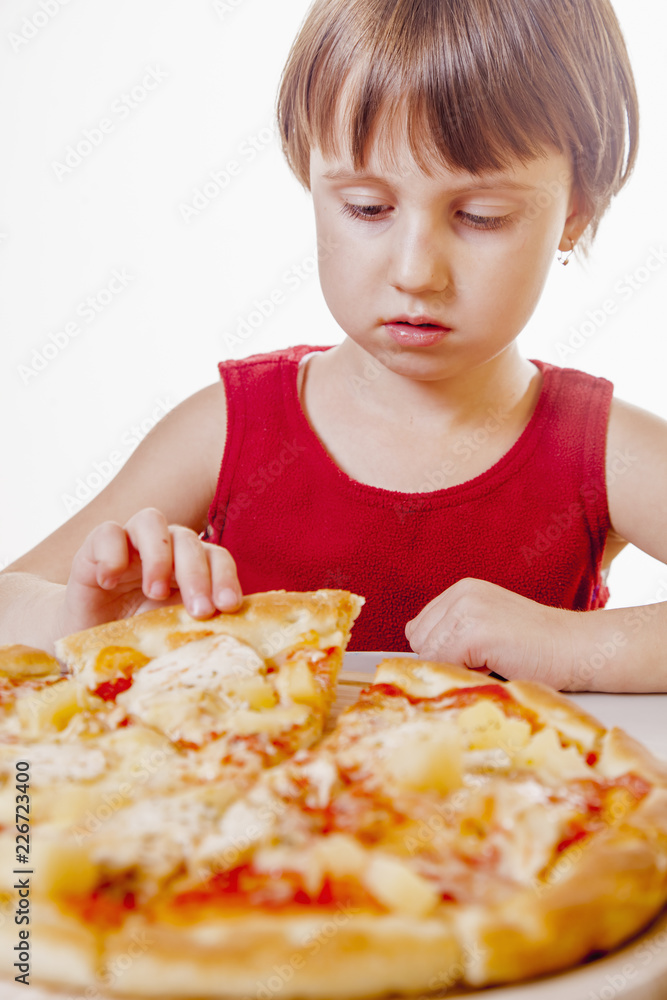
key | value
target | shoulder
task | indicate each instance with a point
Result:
(636, 470)
(268, 360)
(630, 424)
(636, 444)
(574, 397)
(562, 382)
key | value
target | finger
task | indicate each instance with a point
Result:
(225, 587)
(192, 571)
(103, 557)
(149, 535)
(426, 609)
(428, 618)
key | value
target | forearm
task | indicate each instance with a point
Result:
(31, 610)
(620, 649)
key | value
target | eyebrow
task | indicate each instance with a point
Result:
(343, 173)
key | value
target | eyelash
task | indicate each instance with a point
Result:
(367, 214)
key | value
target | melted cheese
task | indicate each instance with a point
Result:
(395, 884)
(55, 762)
(185, 692)
(322, 774)
(245, 823)
(157, 834)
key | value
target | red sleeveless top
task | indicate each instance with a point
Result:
(535, 522)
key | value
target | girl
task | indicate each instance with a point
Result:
(474, 497)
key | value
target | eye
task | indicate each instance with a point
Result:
(484, 221)
(367, 212)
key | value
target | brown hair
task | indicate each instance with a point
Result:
(482, 82)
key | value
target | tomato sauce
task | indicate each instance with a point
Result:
(106, 906)
(245, 887)
(109, 690)
(459, 698)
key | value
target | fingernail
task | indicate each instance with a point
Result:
(201, 605)
(227, 599)
(158, 589)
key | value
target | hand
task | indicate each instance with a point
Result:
(119, 571)
(488, 628)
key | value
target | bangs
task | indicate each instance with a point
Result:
(448, 103)
(472, 84)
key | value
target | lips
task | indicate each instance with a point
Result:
(422, 322)
(416, 331)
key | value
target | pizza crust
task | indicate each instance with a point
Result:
(26, 661)
(338, 954)
(621, 753)
(63, 950)
(426, 678)
(556, 710)
(600, 894)
(270, 622)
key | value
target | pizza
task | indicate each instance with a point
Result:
(449, 829)
(151, 716)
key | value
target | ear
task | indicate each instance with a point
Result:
(580, 214)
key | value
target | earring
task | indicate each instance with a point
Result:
(564, 257)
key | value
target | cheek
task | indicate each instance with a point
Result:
(514, 282)
(344, 271)
(335, 280)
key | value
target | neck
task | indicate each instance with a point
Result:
(499, 384)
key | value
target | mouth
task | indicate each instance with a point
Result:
(421, 330)
(422, 321)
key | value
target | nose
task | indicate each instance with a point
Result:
(420, 260)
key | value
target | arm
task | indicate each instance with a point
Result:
(135, 541)
(622, 649)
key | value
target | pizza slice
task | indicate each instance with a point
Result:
(171, 718)
(29, 680)
(449, 830)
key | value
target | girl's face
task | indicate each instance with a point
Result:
(470, 252)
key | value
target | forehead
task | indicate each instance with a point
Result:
(402, 172)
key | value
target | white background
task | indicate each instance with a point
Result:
(215, 68)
